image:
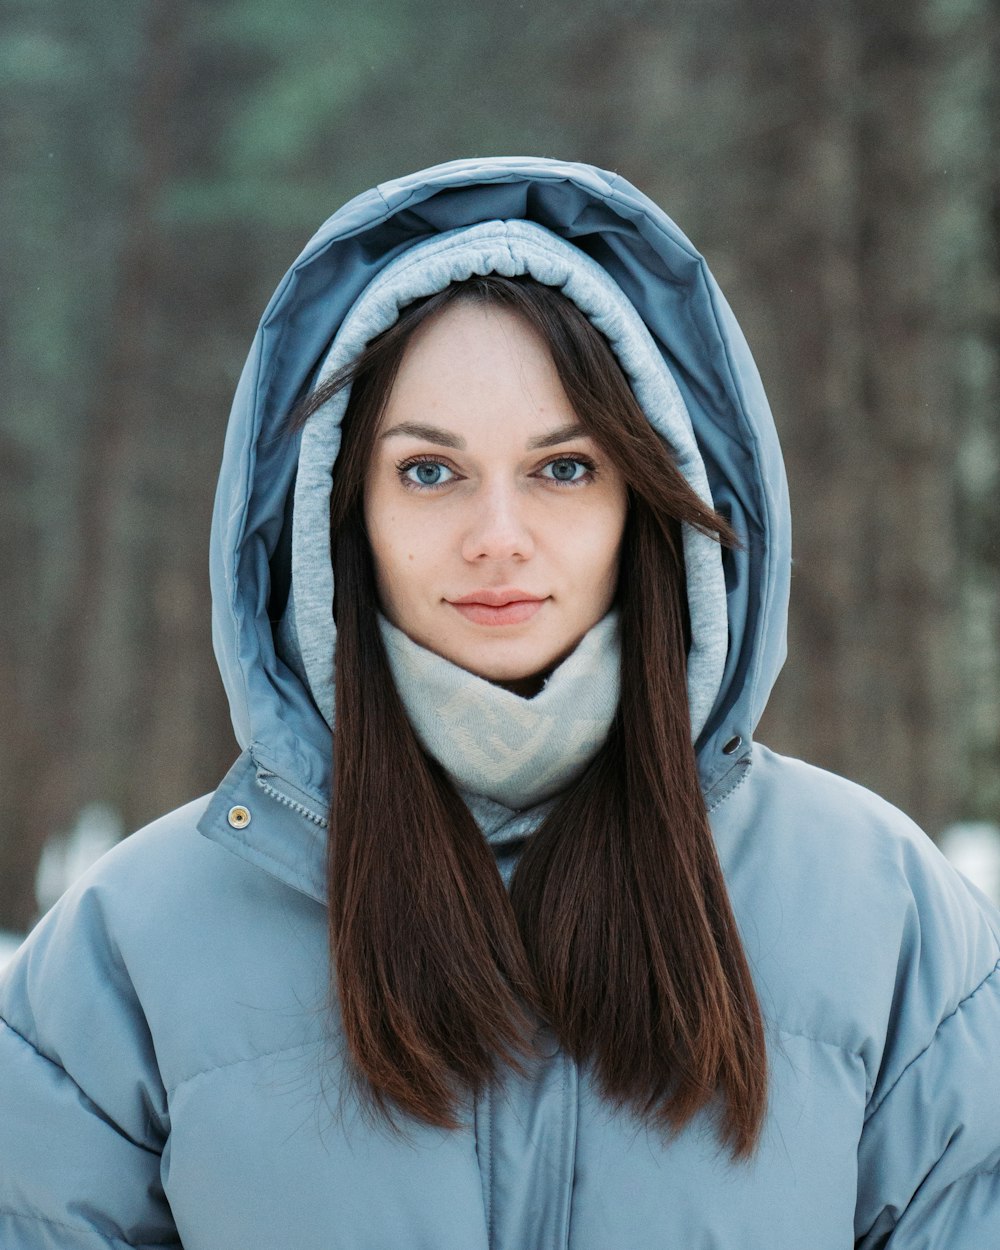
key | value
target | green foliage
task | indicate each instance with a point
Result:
(284, 122)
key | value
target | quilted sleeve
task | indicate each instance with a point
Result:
(83, 1115)
(929, 1156)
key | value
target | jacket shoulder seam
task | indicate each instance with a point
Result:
(235, 1063)
(94, 1107)
(81, 1228)
(820, 1041)
(873, 1110)
(34, 1048)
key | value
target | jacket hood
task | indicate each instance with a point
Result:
(284, 736)
(509, 248)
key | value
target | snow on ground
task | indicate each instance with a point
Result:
(67, 856)
(974, 849)
(64, 857)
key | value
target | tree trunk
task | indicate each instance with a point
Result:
(870, 687)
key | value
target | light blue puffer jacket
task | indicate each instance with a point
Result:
(169, 1075)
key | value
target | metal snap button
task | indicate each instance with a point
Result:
(239, 817)
(732, 746)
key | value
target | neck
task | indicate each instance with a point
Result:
(534, 683)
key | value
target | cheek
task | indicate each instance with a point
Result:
(596, 541)
(400, 537)
(404, 562)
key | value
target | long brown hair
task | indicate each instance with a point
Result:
(617, 930)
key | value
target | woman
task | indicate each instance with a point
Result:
(605, 973)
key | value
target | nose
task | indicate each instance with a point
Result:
(498, 527)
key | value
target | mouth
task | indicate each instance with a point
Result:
(504, 605)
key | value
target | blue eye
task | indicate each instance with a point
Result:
(420, 473)
(568, 469)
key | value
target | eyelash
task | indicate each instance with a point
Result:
(403, 466)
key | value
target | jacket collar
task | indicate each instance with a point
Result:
(269, 822)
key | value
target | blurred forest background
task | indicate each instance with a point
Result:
(165, 160)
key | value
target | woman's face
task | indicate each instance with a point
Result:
(495, 521)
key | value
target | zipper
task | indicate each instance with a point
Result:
(272, 785)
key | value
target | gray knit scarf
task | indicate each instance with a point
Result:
(496, 744)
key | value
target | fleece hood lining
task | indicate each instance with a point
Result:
(509, 248)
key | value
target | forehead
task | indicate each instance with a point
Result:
(476, 362)
(474, 321)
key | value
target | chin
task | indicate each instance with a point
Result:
(502, 672)
(516, 664)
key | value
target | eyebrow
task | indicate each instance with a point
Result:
(429, 433)
(562, 435)
(444, 438)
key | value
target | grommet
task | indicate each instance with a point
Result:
(546, 1042)
(732, 746)
(239, 817)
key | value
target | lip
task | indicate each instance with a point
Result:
(499, 596)
(505, 605)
